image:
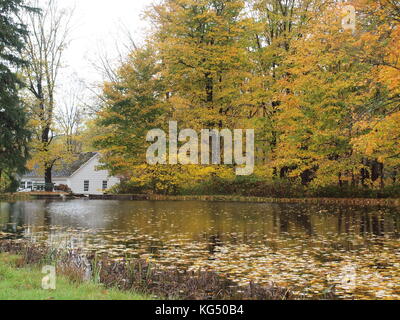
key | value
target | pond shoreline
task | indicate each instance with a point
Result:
(218, 198)
(391, 202)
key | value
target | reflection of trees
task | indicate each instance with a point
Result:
(372, 222)
(396, 223)
(214, 242)
(347, 223)
(297, 215)
(166, 224)
(15, 217)
(339, 222)
(22, 214)
(4, 216)
(47, 215)
(377, 225)
(303, 219)
(283, 220)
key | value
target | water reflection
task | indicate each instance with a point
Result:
(301, 246)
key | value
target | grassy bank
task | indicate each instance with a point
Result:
(24, 283)
(137, 276)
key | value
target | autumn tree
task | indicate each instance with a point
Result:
(276, 24)
(381, 47)
(202, 48)
(334, 94)
(132, 105)
(324, 100)
(46, 44)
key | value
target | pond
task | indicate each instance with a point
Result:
(308, 248)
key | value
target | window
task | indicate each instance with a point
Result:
(29, 185)
(86, 185)
(105, 185)
(39, 186)
(22, 185)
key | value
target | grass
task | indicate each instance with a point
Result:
(139, 276)
(26, 284)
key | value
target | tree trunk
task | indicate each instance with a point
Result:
(353, 179)
(364, 173)
(382, 174)
(209, 87)
(375, 170)
(48, 179)
(47, 167)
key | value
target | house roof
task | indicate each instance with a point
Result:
(65, 169)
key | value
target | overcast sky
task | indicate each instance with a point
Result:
(97, 27)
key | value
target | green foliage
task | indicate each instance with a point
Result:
(13, 185)
(14, 135)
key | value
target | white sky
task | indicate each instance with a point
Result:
(97, 29)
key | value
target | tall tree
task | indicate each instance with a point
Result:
(277, 23)
(381, 47)
(46, 44)
(202, 47)
(133, 104)
(14, 135)
(333, 96)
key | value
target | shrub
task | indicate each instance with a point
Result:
(254, 186)
(63, 188)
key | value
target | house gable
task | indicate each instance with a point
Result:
(88, 180)
(84, 165)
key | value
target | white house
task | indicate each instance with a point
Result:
(82, 176)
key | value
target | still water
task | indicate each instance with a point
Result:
(308, 248)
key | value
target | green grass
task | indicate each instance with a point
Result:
(26, 284)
